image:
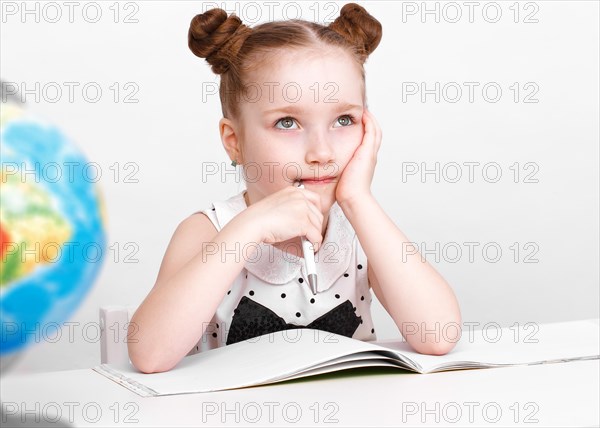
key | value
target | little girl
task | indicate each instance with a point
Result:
(294, 108)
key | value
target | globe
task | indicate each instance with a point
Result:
(52, 234)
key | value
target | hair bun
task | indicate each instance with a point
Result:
(218, 38)
(359, 28)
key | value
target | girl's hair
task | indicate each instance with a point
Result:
(234, 49)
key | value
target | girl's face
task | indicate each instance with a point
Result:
(301, 119)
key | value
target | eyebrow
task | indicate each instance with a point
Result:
(296, 109)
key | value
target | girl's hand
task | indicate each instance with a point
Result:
(355, 181)
(288, 213)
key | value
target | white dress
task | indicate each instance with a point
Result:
(272, 293)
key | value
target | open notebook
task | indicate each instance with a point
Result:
(290, 354)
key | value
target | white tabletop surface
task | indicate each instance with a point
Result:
(558, 394)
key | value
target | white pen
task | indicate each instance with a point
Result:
(309, 257)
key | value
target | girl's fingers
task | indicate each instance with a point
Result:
(378, 133)
(374, 129)
(315, 214)
(313, 197)
(316, 237)
(315, 218)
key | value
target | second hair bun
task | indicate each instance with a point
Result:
(359, 28)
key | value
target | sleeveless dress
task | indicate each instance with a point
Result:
(272, 292)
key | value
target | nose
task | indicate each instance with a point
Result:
(318, 148)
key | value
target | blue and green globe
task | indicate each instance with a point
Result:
(52, 233)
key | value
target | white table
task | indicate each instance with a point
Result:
(558, 394)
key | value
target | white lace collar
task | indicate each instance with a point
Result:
(277, 267)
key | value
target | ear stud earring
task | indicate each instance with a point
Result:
(233, 163)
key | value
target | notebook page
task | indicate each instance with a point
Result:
(269, 357)
(527, 344)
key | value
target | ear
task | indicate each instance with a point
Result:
(230, 140)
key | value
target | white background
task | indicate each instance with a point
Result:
(171, 131)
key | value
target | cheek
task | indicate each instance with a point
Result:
(272, 169)
(347, 145)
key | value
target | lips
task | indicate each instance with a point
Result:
(320, 180)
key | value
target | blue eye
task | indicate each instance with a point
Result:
(287, 123)
(347, 120)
